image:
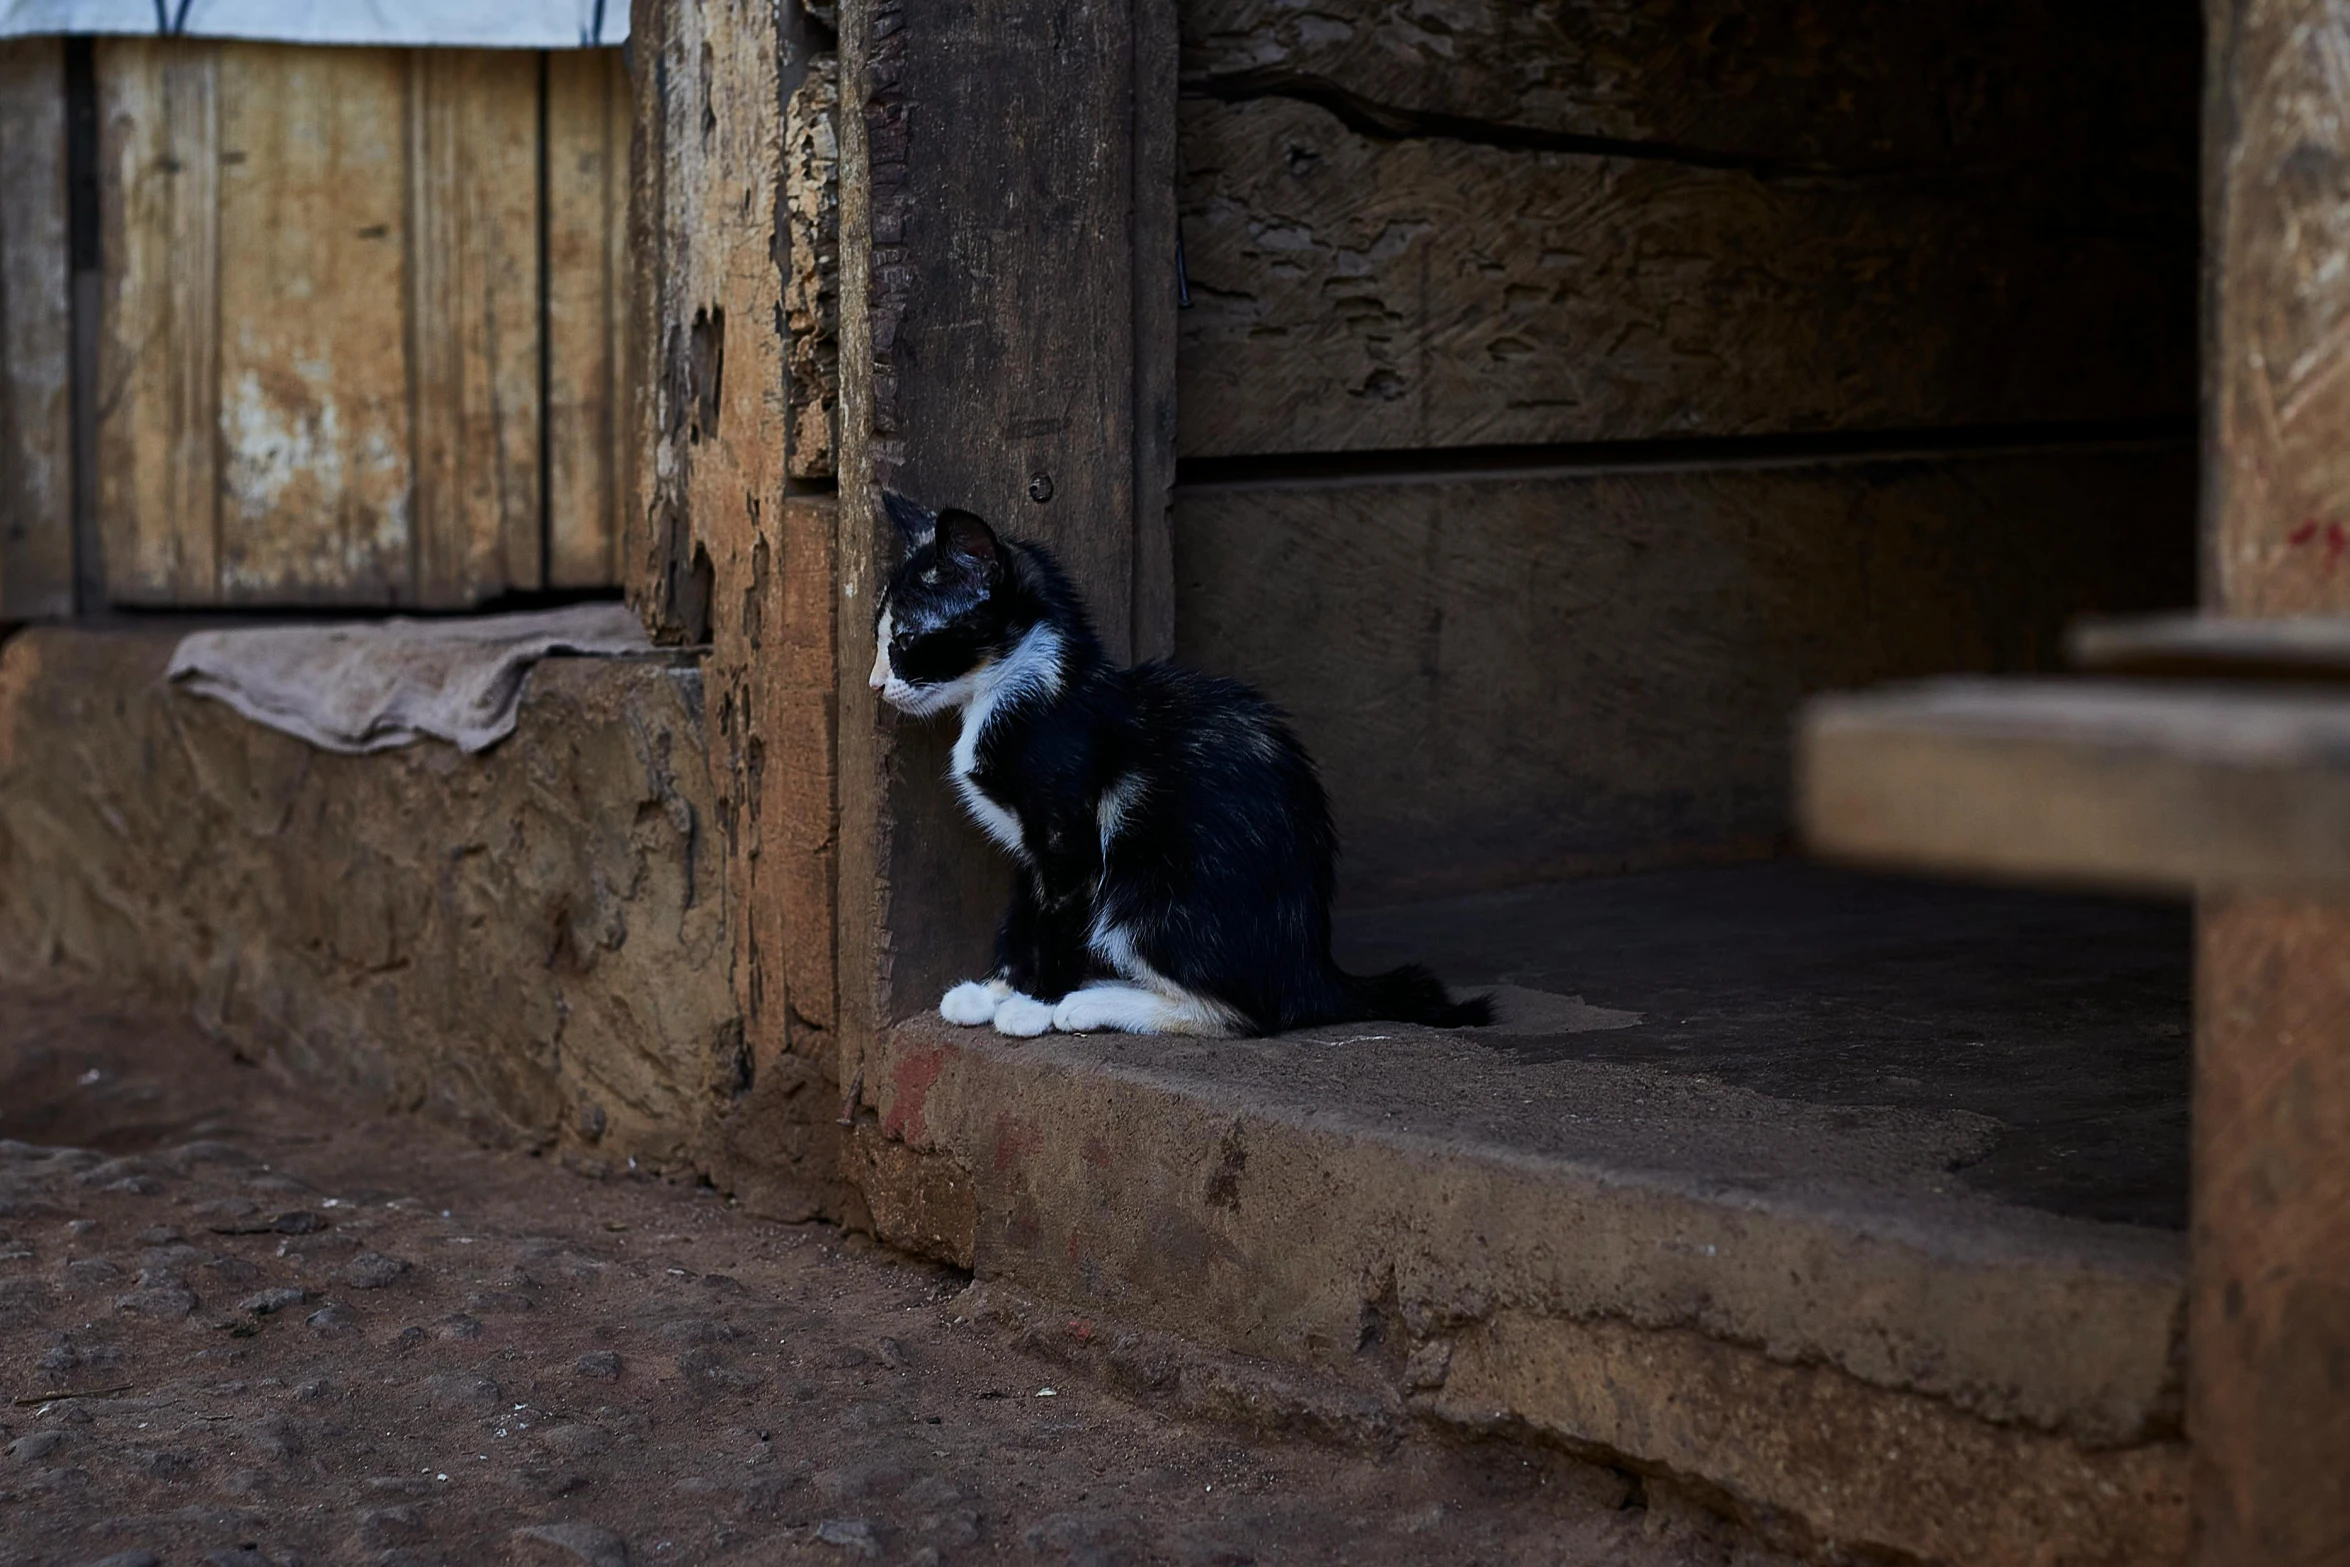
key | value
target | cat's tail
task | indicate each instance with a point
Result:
(1411, 994)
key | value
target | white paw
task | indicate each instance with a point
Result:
(1082, 1012)
(1023, 1017)
(970, 1004)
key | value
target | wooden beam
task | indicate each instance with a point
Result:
(1005, 239)
(2123, 784)
(36, 347)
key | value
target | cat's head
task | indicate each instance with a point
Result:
(943, 618)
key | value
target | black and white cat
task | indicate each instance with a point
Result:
(1174, 844)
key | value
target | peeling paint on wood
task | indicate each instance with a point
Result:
(811, 176)
(321, 340)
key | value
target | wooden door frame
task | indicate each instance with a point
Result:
(963, 200)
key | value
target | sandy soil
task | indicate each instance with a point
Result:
(240, 1324)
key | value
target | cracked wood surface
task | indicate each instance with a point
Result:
(1353, 292)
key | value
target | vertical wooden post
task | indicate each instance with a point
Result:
(1007, 276)
(730, 541)
(2269, 1334)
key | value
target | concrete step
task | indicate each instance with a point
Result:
(1867, 1315)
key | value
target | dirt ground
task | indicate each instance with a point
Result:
(239, 1325)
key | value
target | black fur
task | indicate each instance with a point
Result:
(1220, 870)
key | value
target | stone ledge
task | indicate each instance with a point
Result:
(2015, 1372)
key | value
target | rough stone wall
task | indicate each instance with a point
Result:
(530, 944)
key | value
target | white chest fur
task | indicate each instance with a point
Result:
(1031, 669)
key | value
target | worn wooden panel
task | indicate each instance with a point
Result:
(1813, 85)
(313, 354)
(158, 439)
(36, 435)
(473, 295)
(1352, 291)
(588, 111)
(2269, 1345)
(1507, 679)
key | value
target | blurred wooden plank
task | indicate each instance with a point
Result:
(158, 505)
(36, 332)
(474, 293)
(2298, 647)
(587, 311)
(314, 427)
(2106, 783)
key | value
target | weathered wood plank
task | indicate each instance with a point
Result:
(2126, 784)
(313, 360)
(2269, 1317)
(721, 245)
(675, 350)
(2279, 216)
(798, 837)
(588, 109)
(1351, 292)
(1158, 240)
(811, 290)
(2301, 647)
(473, 294)
(1510, 679)
(1834, 84)
(2269, 1321)
(36, 336)
(158, 504)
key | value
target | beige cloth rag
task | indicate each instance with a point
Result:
(372, 685)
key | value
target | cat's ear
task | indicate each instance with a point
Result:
(971, 544)
(916, 524)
